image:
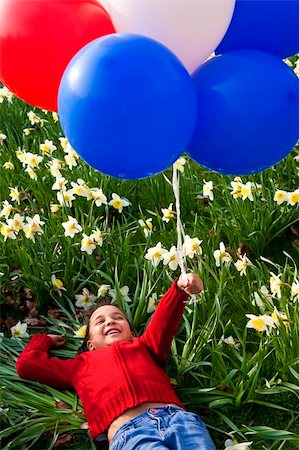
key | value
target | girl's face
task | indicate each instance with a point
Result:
(107, 325)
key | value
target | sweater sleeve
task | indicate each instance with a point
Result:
(35, 364)
(164, 323)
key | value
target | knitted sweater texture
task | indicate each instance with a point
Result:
(112, 379)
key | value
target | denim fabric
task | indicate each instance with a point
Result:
(163, 428)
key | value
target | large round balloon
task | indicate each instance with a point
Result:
(271, 26)
(248, 112)
(127, 105)
(38, 38)
(192, 29)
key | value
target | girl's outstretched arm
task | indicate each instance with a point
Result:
(35, 364)
(166, 319)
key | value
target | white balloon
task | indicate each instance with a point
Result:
(105, 4)
(192, 29)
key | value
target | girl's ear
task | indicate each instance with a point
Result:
(90, 346)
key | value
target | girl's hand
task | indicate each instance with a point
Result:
(190, 283)
(57, 340)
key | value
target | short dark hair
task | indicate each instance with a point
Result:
(84, 348)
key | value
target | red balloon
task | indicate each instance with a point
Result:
(38, 38)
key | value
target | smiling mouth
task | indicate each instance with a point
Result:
(111, 332)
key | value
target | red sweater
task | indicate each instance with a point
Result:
(112, 379)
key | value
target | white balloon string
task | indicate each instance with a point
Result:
(180, 229)
(179, 226)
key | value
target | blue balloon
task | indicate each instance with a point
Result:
(248, 112)
(271, 26)
(127, 105)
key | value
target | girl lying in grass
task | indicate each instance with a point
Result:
(120, 378)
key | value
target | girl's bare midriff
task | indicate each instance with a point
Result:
(130, 414)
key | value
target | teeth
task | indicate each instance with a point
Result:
(112, 332)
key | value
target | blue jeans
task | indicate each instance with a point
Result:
(167, 427)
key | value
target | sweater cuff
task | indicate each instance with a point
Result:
(41, 342)
(184, 294)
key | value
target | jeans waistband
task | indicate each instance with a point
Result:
(158, 411)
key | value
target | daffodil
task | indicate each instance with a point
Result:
(55, 165)
(60, 184)
(246, 191)
(47, 147)
(16, 223)
(87, 244)
(152, 303)
(22, 156)
(19, 330)
(55, 117)
(85, 300)
(57, 285)
(81, 332)
(5, 93)
(55, 207)
(295, 290)
(6, 209)
(8, 165)
(281, 196)
(71, 227)
(293, 198)
(257, 301)
(15, 195)
(32, 173)
(208, 189)
(288, 62)
(68, 149)
(179, 164)
(147, 226)
(221, 255)
(42, 122)
(103, 290)
(275, 284)
(2, 96)
(27, 131)
(7, 231)
(70, 160)
(242, 264)
(237, 187)
(98, 197)
(171, 258)
(168, 213)
(155, 254)
(97, 235)
(279, 318)
(33, 227)
(29, 233)
(2, 137)
(66, 198)
(192, 247)
(233, 445)
(118, 203)
(33, 160)
(80, 188)
(260, 323)
(231, 342)
(63, 142)
(123, 292)
(36, 223)
(33, 118)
